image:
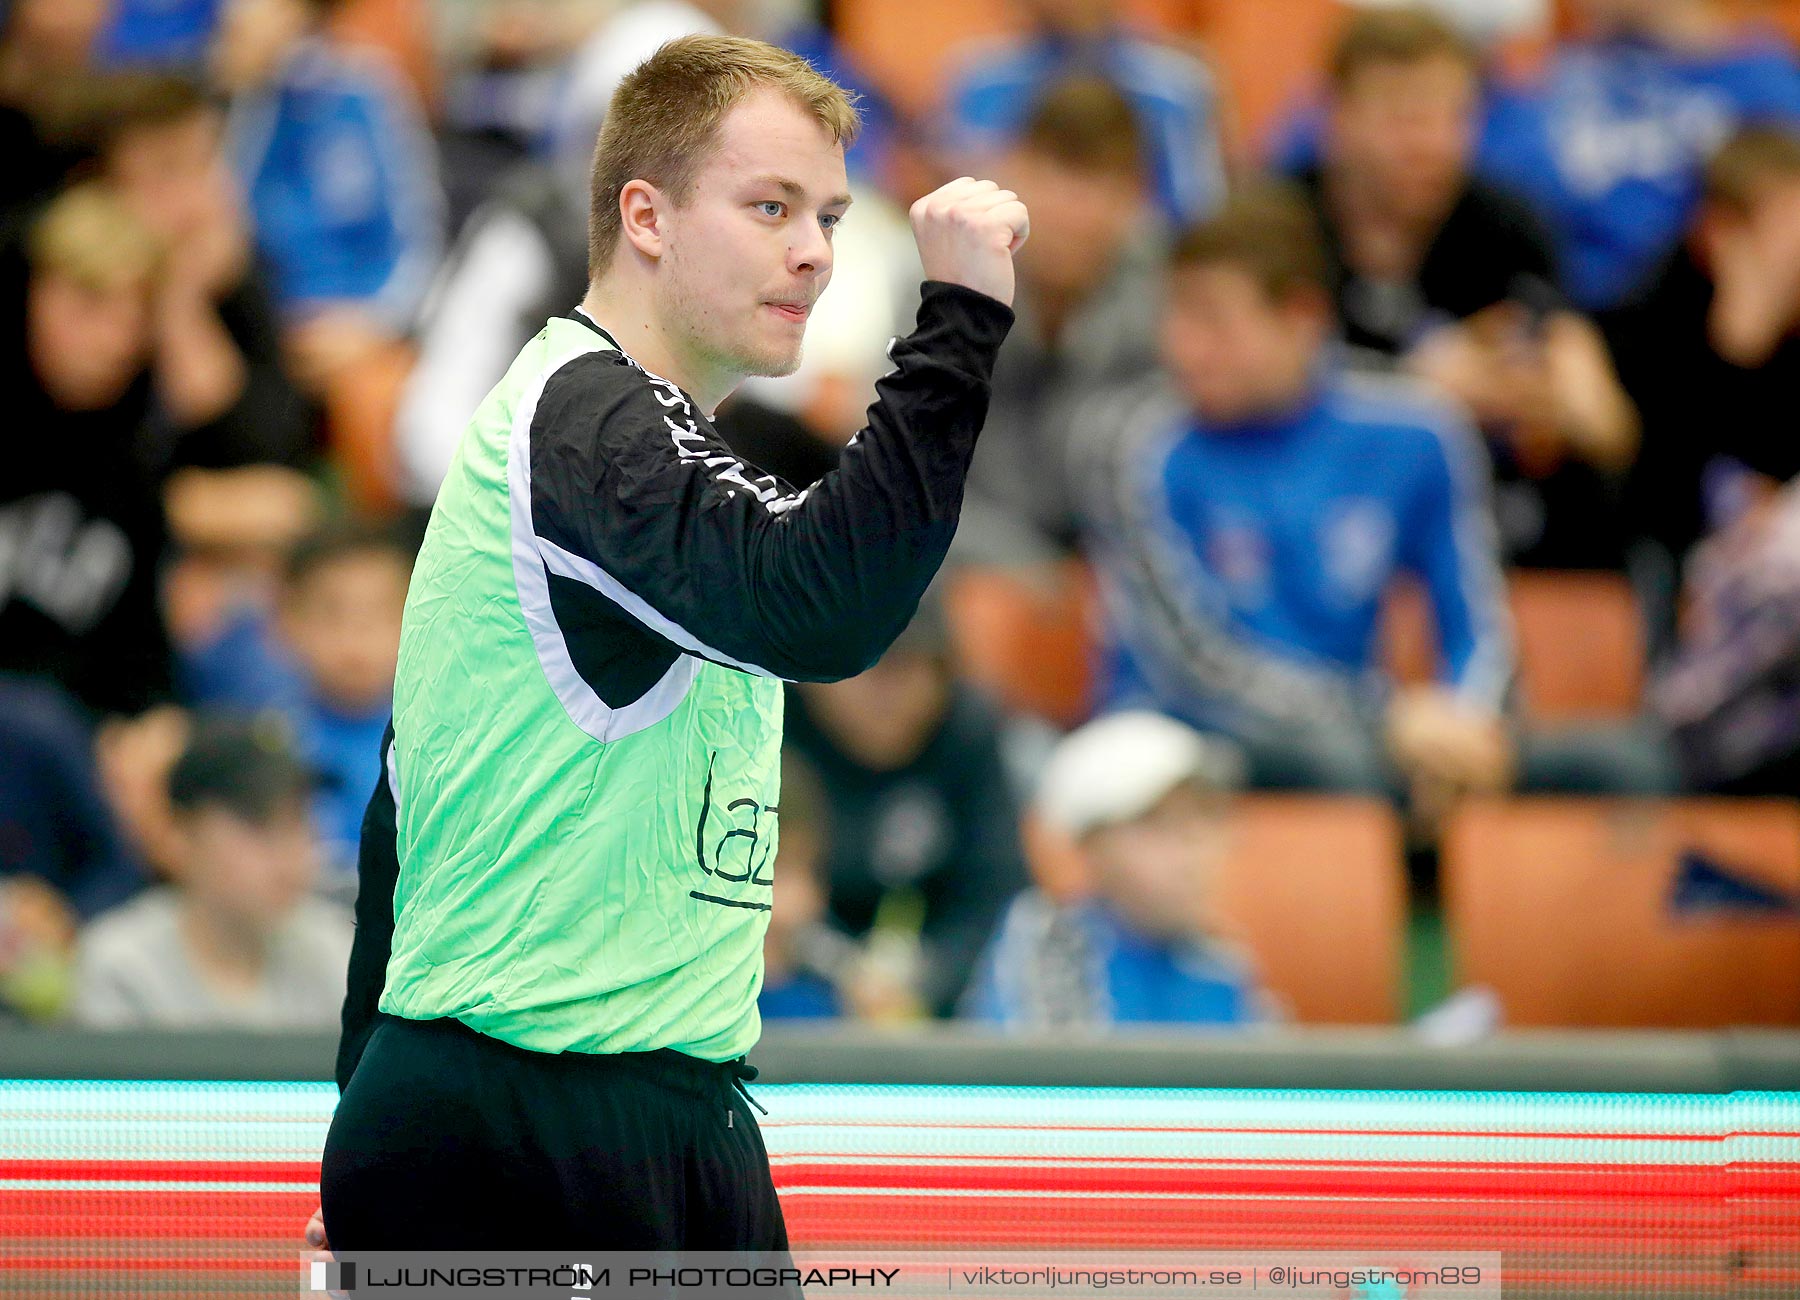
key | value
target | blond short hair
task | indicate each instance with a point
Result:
(665, 117)
(89, 235)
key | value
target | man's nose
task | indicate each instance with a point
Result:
(810, 253)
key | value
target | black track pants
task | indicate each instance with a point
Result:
(447, 1139)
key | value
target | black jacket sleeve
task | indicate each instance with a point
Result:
(634, 494)
(377, 874)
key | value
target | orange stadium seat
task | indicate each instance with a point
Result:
(1579, 635)
(1316, 887)
(1313, 885)
(1027, 638)
(1581, 649)
(1563, 907)
(402, 31)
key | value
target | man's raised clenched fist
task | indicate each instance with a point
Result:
(967, 232)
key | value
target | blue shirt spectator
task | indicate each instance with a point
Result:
(1172, 94)
(1611, 145)
(1247, 520)
(247, 669)
(1132, 935)
(1285, 530)
(342, 184)
(344, 748)
(1083, 965)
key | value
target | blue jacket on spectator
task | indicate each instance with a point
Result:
(1611, 148)
(342, 184)
(1279, 537)
(1173, 95)
(1051, 965)
(345, 748)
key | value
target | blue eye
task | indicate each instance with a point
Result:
(771, 207)
(829, 221)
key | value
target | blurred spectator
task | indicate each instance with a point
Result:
(1146, 800)
(219, 372)
(81, 526)
(341, 180)
(1414, 241)
(1711, 350)
(1247, 525)
(1610, 141)
(236, 940)
(340, 619)
(794, 985)
(1171, 93)
(1434, 266)
(922, 816)
(1731, 692)
(1090, 283)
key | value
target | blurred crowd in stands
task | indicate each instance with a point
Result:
(1451, 329)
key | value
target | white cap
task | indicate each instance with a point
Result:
(1116, 768)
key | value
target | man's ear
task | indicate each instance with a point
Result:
(642, 211)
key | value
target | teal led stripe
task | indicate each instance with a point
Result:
(76, 1120)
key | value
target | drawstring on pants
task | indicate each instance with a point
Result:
(740, 1072)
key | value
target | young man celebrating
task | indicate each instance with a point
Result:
(580, 813)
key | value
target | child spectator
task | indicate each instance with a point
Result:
(236, 940)
(343, 595)
(1146, 802)
(923, 820)
(341, 179)
(219, 371)
(81, 525)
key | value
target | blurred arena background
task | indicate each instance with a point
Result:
(1355, 741)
